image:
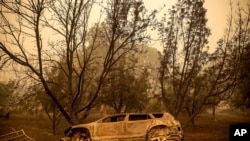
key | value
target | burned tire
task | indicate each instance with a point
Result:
(85, 136)
(81, 134)
(159, 133)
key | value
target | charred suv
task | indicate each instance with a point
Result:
(128, 127)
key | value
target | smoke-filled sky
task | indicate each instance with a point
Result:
(217, 13)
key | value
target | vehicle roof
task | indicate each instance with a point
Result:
(120, 114)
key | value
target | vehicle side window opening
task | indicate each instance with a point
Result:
(138, 117)
(114, 119)
(158, 115)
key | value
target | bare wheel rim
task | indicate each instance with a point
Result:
(158, 134)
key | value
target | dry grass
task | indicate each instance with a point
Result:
(36, 127)
(208, 129)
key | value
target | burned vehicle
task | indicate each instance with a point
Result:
(128, 127)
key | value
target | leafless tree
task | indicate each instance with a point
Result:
(74, 53)
(184, 39)
(197, 78)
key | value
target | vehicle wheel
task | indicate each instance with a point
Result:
(159, 133)
(81, 135)
(85, 137)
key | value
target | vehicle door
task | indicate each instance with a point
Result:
(112, 127)
(137, 125)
